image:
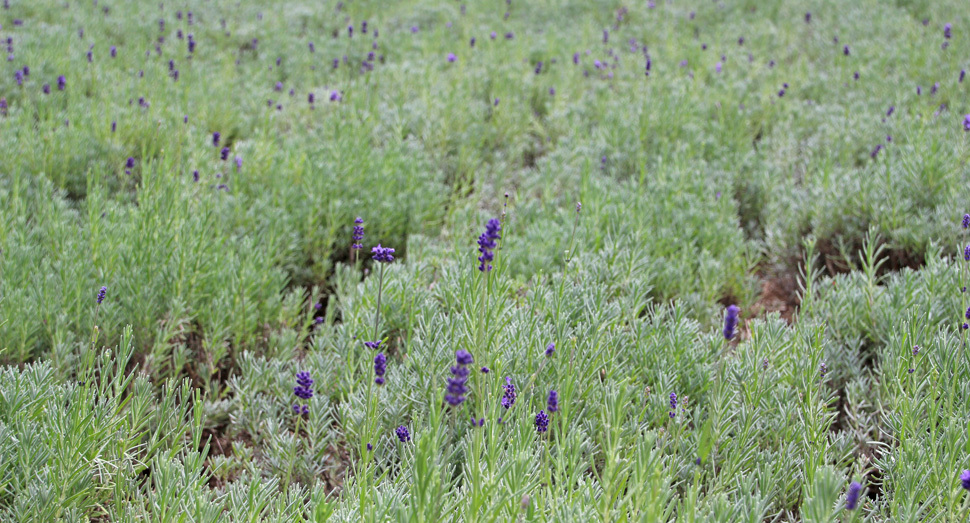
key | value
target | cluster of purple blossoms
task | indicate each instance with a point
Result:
(303, 390)
(948, 31)
(550, 349)
(731, 321)
(822, 370)
(673, 404)
(380, 368)
(852, 496)
(487, 245)
(542, 422)
(966, 221)
(508, 398)
(358, 233)
(966, 123)
(373, 344)
(966, 253)
(552, 403)
(382, 254)
(457, 384)
(101, 294)
(403, 434)
(965, 479)
(61, 83)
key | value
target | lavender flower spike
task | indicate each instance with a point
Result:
(487, 245)
(101, 294)
(383, 254)
(852, 496)
(731, 321)
(358, 233)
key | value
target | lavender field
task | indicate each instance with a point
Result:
(550, 260)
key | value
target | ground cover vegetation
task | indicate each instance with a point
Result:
(540, 261)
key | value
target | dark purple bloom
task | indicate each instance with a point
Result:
(3, 107)
(542, 422)
(947, 31)
(965, 479)
(855, 75)
(101, 294)
(491, 35)
(215, 139)
(966, 221)
(380, 367)
(18, 76)
(301, 409)
(552, 404)
(238, 163)
(373, 344)
(822, 370)
(130, 163)
(350, 31)
(383, 254)
(485, 370)
(808, 18)
(278, 86)
(224, 154)
(457, 385)
(303, 388)
(967, 314)
(335, 96)
(195, 176)
(114, 125)
(875, 152)
(312, 47)
(892, 108)
(471, 43)
(963, 74)
(191, 44)
(463, 357)
(731, 321)
(919, 90)
(509, 35)
(845, 50)
(363, 27)
(966, 253)
(310, 98)
(935, 88)
(451, 57)
(403, 434)
(358, 233)
(966, 123)
(539, 67)
(508, 398)
(852, 496)
(487, 245)
(551, 348)
(61, 83)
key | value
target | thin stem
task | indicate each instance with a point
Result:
(380, 291)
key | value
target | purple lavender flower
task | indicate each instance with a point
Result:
(358, 233)
(238, 163)
(492, 35)
(673, 404)
(471, 43)
(822, 370)
(312, 47)
(919, 90)
(551, 348)
(303, 390)
(731, 321)
(373, 344)
(350, 31)
(380, 367)
(278, 87)
(892, 108)
(965, 479)
(845, 50)
(487, 245)
(195, 176)
(215, 138)
(61, 83)
(101, 294)
(508, 398)
(539, 67)
(935, 88)
(457, 383)
(966, 221)
(335, 96)
(542, 422)
(224, 154)
(311, 98)
(18, 76)
(947, 31)
(576, 58)
(403, 434)
(852, 496)
(3, 106)
(451, 57)
(383, 254)
(485, 370)
(875, 152)
(966, 123)
(717, 67)
(963, 74)
(966, 253)
(191, 44)
(552, 404)
(808, 18)
(113, 51)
